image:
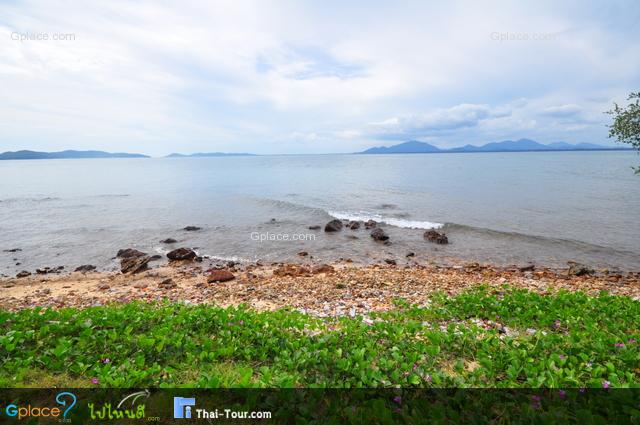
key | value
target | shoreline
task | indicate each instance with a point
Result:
(341, 288)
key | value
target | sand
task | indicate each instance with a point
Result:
(348, 289)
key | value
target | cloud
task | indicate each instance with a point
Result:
(458, 117)
(562, 111)
(246, 76)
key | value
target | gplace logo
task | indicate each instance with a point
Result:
(182, 407)
(66, 399)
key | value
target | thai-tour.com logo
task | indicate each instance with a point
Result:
(182, 407)
(65, 402)
(185, 408)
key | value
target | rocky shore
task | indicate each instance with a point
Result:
(326, 290)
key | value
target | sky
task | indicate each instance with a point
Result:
(273, 77)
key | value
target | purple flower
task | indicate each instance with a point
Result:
(619, 344)
(606, 384)
(582, 390)
(556, 324)
(632, 341)
(562, 394)
(397, 399)
(95, 381)
(428, 378)
(106, 360)
(562, 357)
(415, 366)
(536, 402)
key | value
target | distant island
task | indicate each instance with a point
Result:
(522, 145)
(67, 155)
(206, 154)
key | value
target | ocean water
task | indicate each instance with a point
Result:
(504, 208)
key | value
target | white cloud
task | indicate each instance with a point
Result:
(561, 111)
(245, 76)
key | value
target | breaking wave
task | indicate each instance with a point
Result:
(391, 221)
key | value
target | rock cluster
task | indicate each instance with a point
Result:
(130, 253)
(85, 268)
(379, 235)
(182, 254)
(135, 264)
(333, 226)
(436, 237)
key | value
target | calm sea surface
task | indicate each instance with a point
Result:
(505, 208)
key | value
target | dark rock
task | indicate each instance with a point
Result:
(316, 227)
(22, 274)
(12, 250)
(527, 268)
(273, 220)
(85, 268)
(410, 254)
(390, 261)
(333, 226)
(182, 254)
(167, 284)
(370, 224)
(436, 237)
(353, 225)
(104, 287)
(577, 269)
(192, 228)
(168, 240)
(323, 268)
(303, 253)
(220, 276)
(155, 257)
(379, 235)
(47, 270)
(130, 253)
(134, 264)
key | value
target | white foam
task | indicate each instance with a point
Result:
(391, 221)
(233, 258)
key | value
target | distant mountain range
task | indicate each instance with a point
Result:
(522, 145)
(413, 146)
(67, 155)
(206, 154)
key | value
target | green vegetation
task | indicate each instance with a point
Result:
(558, 341)
(626, 123)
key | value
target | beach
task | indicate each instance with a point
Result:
(338, 289)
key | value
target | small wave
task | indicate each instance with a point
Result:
(391, 221)
(570, 244)
(45, 199)
(286, 205)
(160, 250)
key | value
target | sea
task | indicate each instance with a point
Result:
(545, 208)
